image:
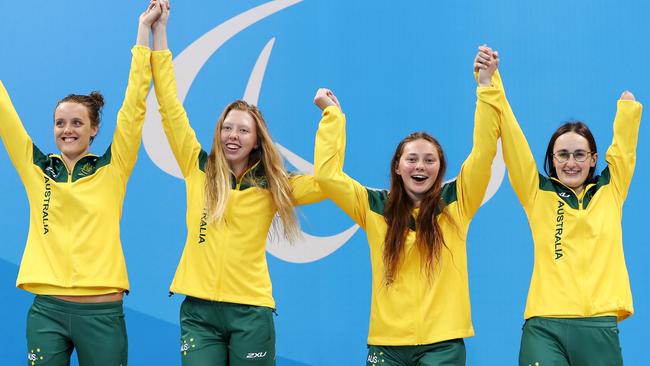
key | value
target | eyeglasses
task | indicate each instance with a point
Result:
(580, 156)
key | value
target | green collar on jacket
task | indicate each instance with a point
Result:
(377, 200)
(53, 166)
(568, 195)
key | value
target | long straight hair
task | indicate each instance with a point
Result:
(429, 239)
(218, 172)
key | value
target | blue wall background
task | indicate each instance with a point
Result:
(396, 67)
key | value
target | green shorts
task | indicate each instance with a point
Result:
(221, 333)
(570, 341)
(446, 353)
(56, 327)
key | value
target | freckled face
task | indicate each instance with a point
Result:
(238, 139)
(418, 167)
(73, 130)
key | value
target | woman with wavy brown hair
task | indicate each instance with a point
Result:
(233, 196)
(417, 229)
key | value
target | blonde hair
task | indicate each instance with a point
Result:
(217, 171)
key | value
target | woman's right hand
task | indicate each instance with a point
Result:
(486, 63)
(325, 98)
(149, 16)
(161, 22)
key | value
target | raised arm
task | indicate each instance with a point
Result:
(305, 189)
(475, 172)
(145, 21)
(159, 27)
(621, 155)
(18, 143)
(522, 169)
(130, 118)
(329, 154)
(181, 136)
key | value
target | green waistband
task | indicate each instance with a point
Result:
(100, 308)
(224, 304)
(595, 322)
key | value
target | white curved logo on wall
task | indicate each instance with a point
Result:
(188, 64)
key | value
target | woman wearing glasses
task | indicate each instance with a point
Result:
(579, 289)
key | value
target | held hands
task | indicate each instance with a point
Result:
(149, 16)
(325, 98)
(486, 63)
(627, 95)
(164, 15)
(159, 26)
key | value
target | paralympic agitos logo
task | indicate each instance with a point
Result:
(187, 65)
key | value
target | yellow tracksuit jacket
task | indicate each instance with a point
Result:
(414, 310)
(221, 262)
(73, 246)
(579, 268)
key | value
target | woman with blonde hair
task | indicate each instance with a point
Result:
(420, 310)
(233, 196)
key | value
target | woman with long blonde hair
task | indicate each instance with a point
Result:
(233, 195)
(417, 229)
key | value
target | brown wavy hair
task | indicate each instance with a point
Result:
(429, 239)
(217, 171)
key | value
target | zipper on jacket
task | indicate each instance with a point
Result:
(240, 179)
(579, 198)
(584, 266)
(222, 253)
(418, 296)
(66, 169)
(581, 261)
(65, 224)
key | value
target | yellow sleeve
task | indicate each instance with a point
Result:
(19, 145)
(130, 118)
(181, 136)
(475, 172)
(522, 169)
(329, 154)
(621, 155)
(305, 189)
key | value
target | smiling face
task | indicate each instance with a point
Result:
(567, 150)
(73, 130)
(418, 168)
(238, 138)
